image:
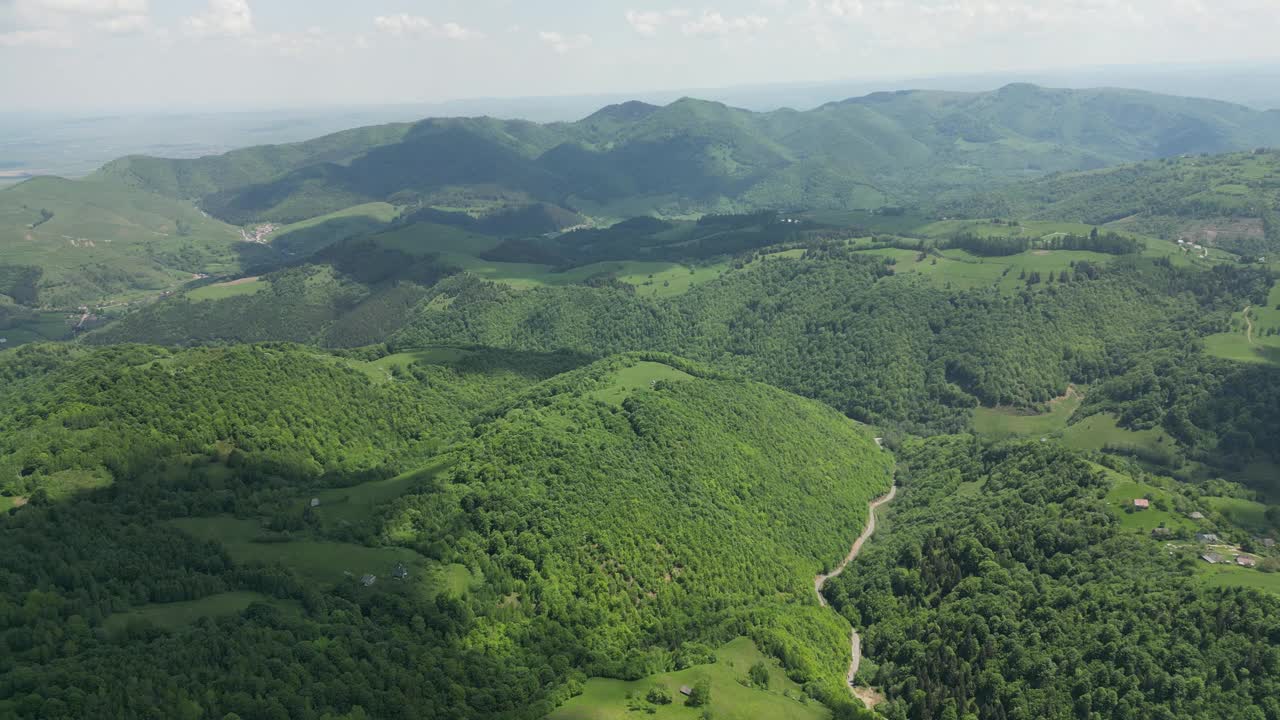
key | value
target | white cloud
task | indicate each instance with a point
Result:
(715, 24)
(125, 24)
(648, 22)
(562, 43)
(406, 24)
(232, 18)
(61, 23)
(36, 39)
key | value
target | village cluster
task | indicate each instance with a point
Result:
(1217, 552)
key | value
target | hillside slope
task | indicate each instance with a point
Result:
(1228, 201)
(619, 519)
(92, 241)
(695, 156)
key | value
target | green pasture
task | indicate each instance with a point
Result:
(359, 503)
(1099, 431)
(1161, 514)
(638, 377)
(172, 616)
(316, 560)
(234, 288)
(732, 698)
(1248, 514)
(1002, 423)
(309, 236)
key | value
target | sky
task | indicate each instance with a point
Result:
(113, 55)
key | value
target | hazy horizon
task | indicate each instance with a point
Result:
(201, 55)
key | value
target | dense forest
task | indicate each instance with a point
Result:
(725, 498)
(1007, 591)
(840, 327)
(403, 422)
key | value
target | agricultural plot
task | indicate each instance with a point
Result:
(732, 695)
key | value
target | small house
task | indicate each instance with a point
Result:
(1246, 561)
(1197, 515)
(1142, 504)
(1268, 543)
(1161, 532)
(686, 690)
(368, 580)
(400, 572)
(1211, 558)
(1207, 538)
(315, 502)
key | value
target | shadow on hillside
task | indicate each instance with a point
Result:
(535, 365)
(298, 246)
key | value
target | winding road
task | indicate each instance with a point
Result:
(855, 642)
(1249, 322)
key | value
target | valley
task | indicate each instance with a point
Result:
(914, 405)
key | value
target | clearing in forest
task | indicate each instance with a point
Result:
(733, 697)
(638, 377)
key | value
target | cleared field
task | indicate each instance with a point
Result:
(1248, 514)
(424, 238)
(43, 327)
(637, 377)
(651, 279)
(1235, 576)
(1003, 423)
(1125, 490)
(319, 561)
(1098, 432)
(171, 616)
(102, 242)
(429, 356)
(942, 272)
(1263, 346)
(310, 236)
(731, 697)
(359, 503)
(234, 288)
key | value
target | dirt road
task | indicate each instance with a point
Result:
(868, 696)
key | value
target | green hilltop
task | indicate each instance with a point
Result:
(623, 518)
(1218, 201)
(697, 156)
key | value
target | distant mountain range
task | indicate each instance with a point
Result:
(694, 156)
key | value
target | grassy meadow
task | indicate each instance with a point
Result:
(233, 288)
(732, 697)
(172, 616)
(1004, 423)
(319, 561)
(1261, 347)
(636, 378)
(107, 243)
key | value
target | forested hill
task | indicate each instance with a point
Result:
(1009, 589)
(841, 326)
(623, 518)
(1226, 201)
(694, 156)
